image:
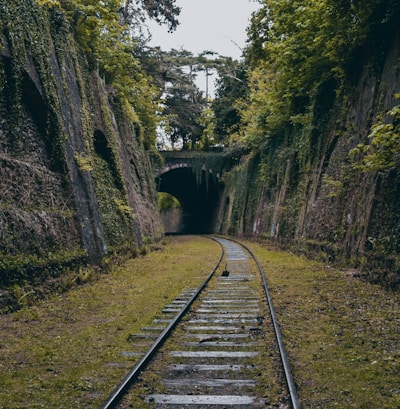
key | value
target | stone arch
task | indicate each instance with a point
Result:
(40, 142)
(169, 167)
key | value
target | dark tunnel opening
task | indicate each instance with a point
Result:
(199, 200)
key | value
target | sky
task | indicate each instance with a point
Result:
(215, 25)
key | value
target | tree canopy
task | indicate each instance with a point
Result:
(108, 34)
(189, 118)
(295, 48)
(295, 51)
(159, 86)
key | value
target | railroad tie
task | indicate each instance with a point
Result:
(214, 346)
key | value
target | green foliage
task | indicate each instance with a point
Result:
(29, 31)
(161, 11)
(123, 208)
(207, 122)
(105, 32)
(383, 151)
(262, 113)
(334, 187)
(26, 31)
(117, 216)
(167, 202)
(185, 119)
(231, 86)
(294, 48)
(175, 72)
(31, 267)
(84, 162)
(184, 104)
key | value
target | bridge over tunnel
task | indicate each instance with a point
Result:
(198, 195)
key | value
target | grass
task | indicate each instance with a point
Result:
(341, 333)
(66, 352)
(265, 367)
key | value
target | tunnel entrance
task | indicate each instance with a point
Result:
(198, 198)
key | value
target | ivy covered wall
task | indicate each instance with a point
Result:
(75, 180)
(311, 188)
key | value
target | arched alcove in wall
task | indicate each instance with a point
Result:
(104, 151)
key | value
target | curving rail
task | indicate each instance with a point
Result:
(278, 334)
(122, 388)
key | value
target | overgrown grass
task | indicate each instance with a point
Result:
(341, 333)
(66, 352)
(265, 368)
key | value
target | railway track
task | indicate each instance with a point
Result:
(218, 346)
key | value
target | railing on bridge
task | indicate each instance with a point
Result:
(214, 163)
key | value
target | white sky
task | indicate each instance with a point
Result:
(216, 25)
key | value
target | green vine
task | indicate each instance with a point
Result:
(25, 27)
(31, 267)
(383, 151)
(85, 162)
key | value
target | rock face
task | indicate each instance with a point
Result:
(306, 191)
(75, 180)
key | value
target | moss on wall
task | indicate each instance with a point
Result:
(75, 180)
(306, 190)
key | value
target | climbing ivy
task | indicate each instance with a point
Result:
(382, 153)
(296, 47)
(30, 31)
(105, 37)
(32, 267)
(25, 27)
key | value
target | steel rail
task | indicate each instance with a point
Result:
(120, 390)
(278, 334)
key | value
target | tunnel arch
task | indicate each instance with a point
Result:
(197, 194)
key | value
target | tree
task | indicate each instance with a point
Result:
(174, 73)
(296, 47)
(129, 12)
(383, 151)
(105, 31)
(186, 117)
(183, 106)
(231, 86)
(207, 122)
(161, 11)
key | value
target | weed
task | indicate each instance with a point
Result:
(341, 333)
(67, 352)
